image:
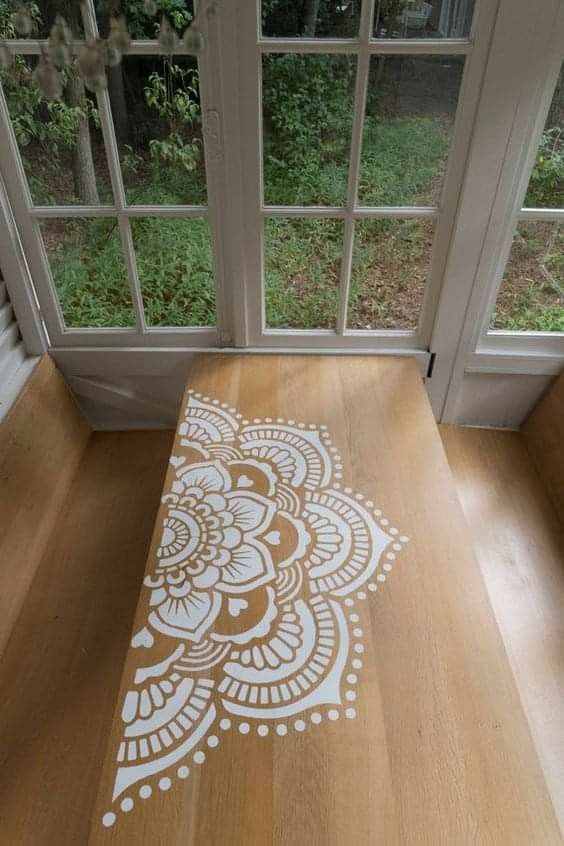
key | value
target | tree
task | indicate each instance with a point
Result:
(309, 18)
(84, 175)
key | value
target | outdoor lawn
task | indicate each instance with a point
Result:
(307, 111)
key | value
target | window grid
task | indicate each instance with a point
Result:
(120, 210)
(363, 47)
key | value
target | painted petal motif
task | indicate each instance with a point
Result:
(262, 557)
(188, 617)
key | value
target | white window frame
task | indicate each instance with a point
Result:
(28, 215)
(533, 57)
(252, 45)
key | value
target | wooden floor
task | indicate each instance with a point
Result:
(371, 706)
(60, 671)
(439, 751)
(519, 542)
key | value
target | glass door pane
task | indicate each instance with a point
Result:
(311, 19)
(531, 296)
(353, 155)
(114, 204)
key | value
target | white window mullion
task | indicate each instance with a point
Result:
(210, 89)
(12, 171)
(250, 73)
(362, 72)
(114, 167)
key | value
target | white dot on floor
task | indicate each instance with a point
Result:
(352, 679)
(381, 577)
(262, 730)
(349, 602)
(183, 772)
(165, 783)
(354, 618)
(199, 758)
(357, 632)
(358, 647)
(333, 714)
(126, 804)
(108, 819)
(281, 730)
(357, 663)
(350, 695)
(387, 568)
(361, 595)
(350, 713)
(244, 728)
(316, 718)
(225, 724)
(213, 740)
(299, 725)
(145, 791)
(373, 587)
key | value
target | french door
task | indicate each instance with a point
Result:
(116, 195)
(350, 192)
(295, 186)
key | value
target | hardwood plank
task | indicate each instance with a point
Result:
(544, 435)
(41, 443)
(60, 672)
(519, 543)
(435, 749)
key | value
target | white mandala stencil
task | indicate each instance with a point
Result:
(250, 597)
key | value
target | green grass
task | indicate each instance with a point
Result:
(531, 296)
(402, 162)
(173, 261)
(302, 262)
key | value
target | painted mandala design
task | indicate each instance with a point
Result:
(261, 558)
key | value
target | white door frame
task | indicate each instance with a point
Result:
(252, 46)
(28, 215)
(497, 96)
(525, 59)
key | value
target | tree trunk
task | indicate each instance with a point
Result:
(309, 18)
(83, 172)
(116, 91)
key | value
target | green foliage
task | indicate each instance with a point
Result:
(89, 274)
(308, 105)
(302, 261)
(174, 97)
(286, 18)
(531, 297)
(400, 159)
(174, 264)
(142, 25)
(546, 187)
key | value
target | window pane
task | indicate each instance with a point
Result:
(174, 263)
(60, 141)
(410, 114)
(302, 270)
(142, 25)
(418, 19)
(157, 117)
(42, 15)
(389, 271)
(546, 186)
(89, 272)
(307, 115)
(310, 18)
(531, 296)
